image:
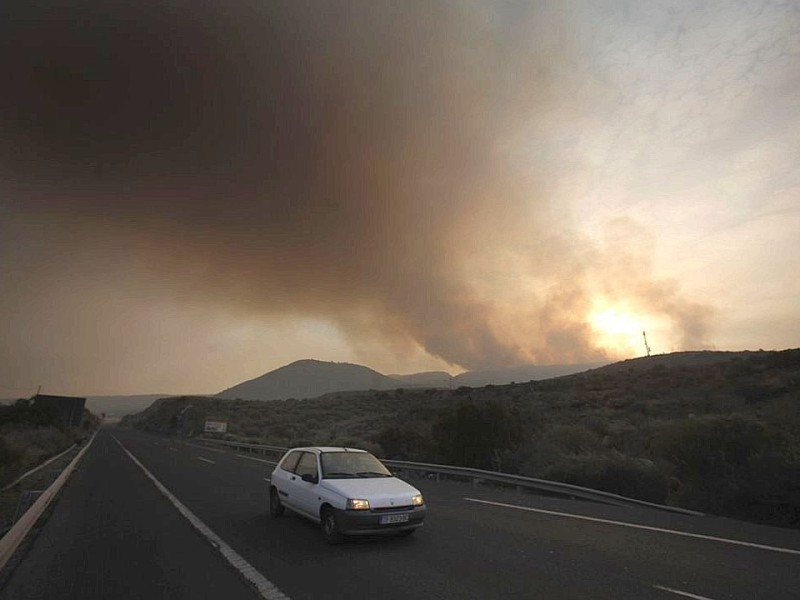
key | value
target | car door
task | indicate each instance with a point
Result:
(284, 478)
(306, 493)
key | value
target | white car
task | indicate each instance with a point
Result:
(347, 491)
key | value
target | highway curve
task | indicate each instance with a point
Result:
(114, 534)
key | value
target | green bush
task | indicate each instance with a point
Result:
(478, 435)
(404, 443)
(616, 474)
(734, 467)
(25, 413)
(711, 448)
(7, 455)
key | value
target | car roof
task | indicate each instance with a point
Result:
(323, 449)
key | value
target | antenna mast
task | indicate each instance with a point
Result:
(646, 345)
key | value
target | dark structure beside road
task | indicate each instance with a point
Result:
(68, 408)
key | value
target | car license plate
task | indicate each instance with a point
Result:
(389, 519)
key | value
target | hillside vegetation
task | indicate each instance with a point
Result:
(30, 434)
(712, 431)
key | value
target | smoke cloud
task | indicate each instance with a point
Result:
(376, 165)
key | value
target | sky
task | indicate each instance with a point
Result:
(193, 193)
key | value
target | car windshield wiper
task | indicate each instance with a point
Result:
(372, 474)
(338, 475)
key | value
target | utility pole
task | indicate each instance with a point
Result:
(646, 345)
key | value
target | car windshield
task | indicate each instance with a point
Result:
(343, 465)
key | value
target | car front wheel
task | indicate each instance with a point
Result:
(330, 527)
(276, 508)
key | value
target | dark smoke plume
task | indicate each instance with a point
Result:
(353, 161)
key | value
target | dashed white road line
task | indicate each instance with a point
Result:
(269, 462)
(265, 587)
(680, 593)
(645, 527)
(205, 460)
(267, 479)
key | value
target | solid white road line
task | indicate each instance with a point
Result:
(265, 587)
(269, 462)
(645, 527)
(205, 448)
(205, 460)
(680, 593)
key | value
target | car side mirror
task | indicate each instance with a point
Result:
(309, 478)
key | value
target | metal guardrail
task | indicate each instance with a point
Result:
(553, 487)
(255, 448)
(479, 475)
(37, 468)
(14, 536)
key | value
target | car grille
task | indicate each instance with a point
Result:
(391, 508)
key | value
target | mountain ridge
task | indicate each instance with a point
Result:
(309, 378)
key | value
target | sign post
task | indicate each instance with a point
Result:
(216, 426)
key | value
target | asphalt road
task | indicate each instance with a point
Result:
(114, 535)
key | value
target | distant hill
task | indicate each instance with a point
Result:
(691, 358)
(309, 379)
(119, 406)
(434, 379)
(519, 374)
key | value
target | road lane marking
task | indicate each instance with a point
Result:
(205, 448)
(269, 462)
(173, 449)
(265, 587)
(636, 526)
(205, 460)
(680, 593)
(267, 479)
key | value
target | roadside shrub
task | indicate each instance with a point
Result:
(754, 393)
(404, 443)
(369, 446)
(734, 467)
(573, 439)
(7, 455)
(616, 474)
(300, 443)
(479, 435)
(711, 448)
(25, 413)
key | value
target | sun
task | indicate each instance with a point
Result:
(618, 330)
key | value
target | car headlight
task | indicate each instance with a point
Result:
(357, 504)
(417, 500)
